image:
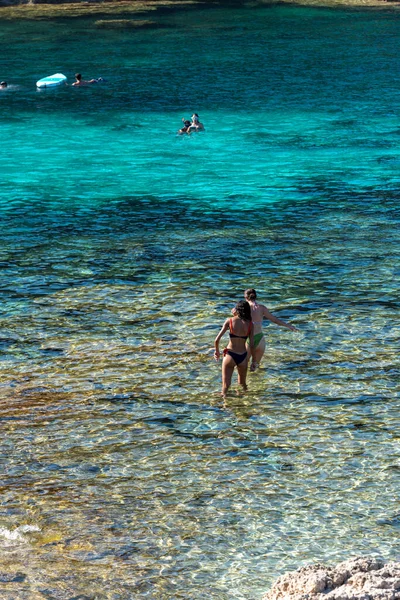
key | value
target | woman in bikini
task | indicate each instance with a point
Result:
(235, 354)
(258, 313)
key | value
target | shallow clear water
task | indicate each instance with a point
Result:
(124, 246)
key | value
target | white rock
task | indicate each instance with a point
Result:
(362, 578)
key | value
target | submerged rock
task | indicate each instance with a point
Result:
(12, 577)
(128, 24)
(362, 578)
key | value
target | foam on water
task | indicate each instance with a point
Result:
(16, 534)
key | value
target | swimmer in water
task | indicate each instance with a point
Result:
(80, 81)
(195, 124)
(3, 85)
(185, 128)
(235, 354)
(258, 313)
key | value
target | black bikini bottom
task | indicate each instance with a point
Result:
(238, 358)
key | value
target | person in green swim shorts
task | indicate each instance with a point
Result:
(258, 313)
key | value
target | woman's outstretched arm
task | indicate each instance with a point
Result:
(268, 315)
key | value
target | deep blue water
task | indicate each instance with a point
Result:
(124, 247)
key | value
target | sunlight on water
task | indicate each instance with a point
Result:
(124, 247)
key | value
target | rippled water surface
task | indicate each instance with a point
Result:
(124, 247)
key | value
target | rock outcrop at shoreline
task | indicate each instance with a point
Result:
(361, 578)
(51, 9)
(46, 9)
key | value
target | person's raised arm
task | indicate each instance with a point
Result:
(276, 320)
(224, 328)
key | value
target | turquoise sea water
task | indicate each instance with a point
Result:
(124, 247)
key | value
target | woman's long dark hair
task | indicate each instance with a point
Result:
(243, 310)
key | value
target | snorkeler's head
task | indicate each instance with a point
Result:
(243, 311)
(78, 76)
(3, 84)
(250, 294)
